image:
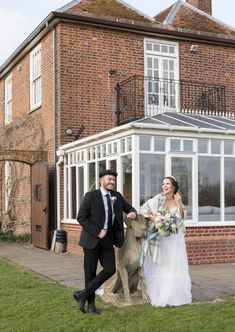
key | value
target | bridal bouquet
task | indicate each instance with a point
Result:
(165, 224)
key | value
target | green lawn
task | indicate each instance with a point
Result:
(29, 303)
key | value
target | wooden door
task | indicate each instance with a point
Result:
(39, 199)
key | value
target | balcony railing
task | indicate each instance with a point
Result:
(139, 97)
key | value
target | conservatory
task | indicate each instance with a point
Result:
(199, 150)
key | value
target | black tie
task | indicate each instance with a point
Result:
(110, 213)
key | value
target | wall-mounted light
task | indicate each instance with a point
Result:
(69, 131)
(194, 48)
(112, 72)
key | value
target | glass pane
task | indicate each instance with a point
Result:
(73, 193)
(67, 192)
(228, 147)
(149, 62)
(175, 144)
(159, 143)
(128, 144)
(145, 143)
(127, 177)
(156, 48)
(122, 145)
(156, 63)
(113, 165)
(149, 46)
(229, 189)
(181, 169)
(188, 145)
(171, 49)
(164, 48)
(152, 171)
(80, 184)
(101, 165)
(202, 146)
(209, 188)
(91, 176)
(215, 146)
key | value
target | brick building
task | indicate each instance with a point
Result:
(101, 84)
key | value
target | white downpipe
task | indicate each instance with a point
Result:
(60, 154)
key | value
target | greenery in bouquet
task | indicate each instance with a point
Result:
(165, 223)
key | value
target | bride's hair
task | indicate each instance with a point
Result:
(174, 182)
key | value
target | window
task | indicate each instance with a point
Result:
(209, 188)
(35, 78)
(8, 99)
(183, 145)
(229, 189)
(152, 171)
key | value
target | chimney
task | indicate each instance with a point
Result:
(204, 5)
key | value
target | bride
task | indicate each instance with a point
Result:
(166, 266)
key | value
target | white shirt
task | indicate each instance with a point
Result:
(104, 193)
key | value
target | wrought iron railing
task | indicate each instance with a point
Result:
(139, 97)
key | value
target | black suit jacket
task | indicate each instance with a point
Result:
(91, 217)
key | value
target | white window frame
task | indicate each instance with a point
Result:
(161, 55)
(35, 78)
(8, 99)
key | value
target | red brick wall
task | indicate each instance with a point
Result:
(212, 65)
(73, 234)
(87, 89)
(210, 244)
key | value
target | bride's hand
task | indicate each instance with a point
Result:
(151, 216)
(177, 199)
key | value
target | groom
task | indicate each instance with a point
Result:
(101, 218)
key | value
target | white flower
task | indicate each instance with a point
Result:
(113, 199)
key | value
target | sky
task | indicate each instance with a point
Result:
(18, 18)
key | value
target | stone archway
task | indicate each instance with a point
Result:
(28, 157)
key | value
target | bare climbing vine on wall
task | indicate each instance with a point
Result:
(26, 133)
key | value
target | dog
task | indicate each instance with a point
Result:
(129, 273)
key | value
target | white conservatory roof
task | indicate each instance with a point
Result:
(191, 120)
(167, 121)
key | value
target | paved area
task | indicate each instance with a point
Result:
(209, 282)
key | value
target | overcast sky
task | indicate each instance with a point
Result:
(18, 18)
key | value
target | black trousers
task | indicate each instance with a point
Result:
(103, 252)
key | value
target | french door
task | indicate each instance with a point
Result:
(161, 81)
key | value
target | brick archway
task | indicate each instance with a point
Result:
(28, 157)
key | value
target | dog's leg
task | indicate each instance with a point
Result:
(124, 277)
(142, 283)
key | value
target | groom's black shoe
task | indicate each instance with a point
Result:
(80, 297)
(92, 309)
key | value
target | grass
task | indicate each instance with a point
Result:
(29, 303)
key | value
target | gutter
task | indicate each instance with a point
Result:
(153, 29)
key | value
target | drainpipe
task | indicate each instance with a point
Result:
(54, 121)
(60, 154)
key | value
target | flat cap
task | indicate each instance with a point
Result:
(107, 172)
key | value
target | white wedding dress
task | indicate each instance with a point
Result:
(167, 279)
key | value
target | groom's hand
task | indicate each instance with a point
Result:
(131, 215)
(102, 233)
